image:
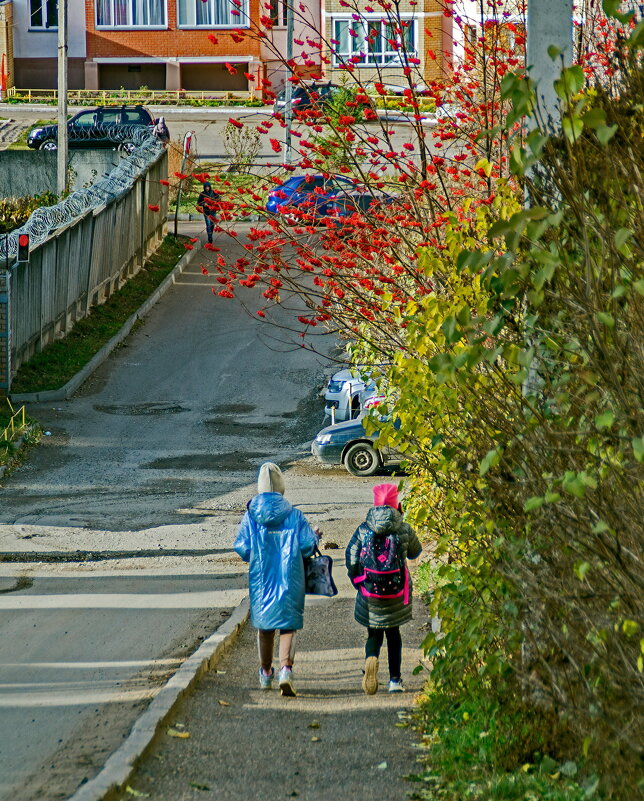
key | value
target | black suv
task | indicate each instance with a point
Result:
(105, 126)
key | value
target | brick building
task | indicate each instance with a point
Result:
(6, 43)
(159, 44)
(372, 42)
(35, 43)
(164, 44)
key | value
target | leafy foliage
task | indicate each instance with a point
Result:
(507, 341)
(478, 748)
(15, 211)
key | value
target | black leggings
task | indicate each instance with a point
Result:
(394, 647)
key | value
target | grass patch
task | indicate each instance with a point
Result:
(21, 142)
(227, 186)
(56, 364)
(480, 747)
(7, 411)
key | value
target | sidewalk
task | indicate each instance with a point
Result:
(332, 742)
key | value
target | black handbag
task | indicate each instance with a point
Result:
(318, 577)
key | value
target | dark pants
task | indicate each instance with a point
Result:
(394, 647)
(210, 224)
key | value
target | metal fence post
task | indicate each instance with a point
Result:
(5, 332)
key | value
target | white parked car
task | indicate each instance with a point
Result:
(348, 394)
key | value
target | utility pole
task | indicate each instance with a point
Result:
(549, 24)
(61, 152)
(290, 33)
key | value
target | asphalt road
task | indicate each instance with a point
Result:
(81, 654)
(157, 454)
(197, 397)
(331, 742)
(209, 128)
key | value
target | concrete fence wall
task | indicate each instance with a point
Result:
(78, 267)
(32, 172)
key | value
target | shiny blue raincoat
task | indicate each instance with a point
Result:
(274, 536)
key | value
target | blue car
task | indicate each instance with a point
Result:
(302, 198)
(312, 195)
(349, 444)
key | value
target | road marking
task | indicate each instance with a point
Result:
(136, 663)
(175, 600)
(77, 696)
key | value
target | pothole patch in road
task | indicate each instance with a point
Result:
(140, 409)
(21, 583)
(229, 462)
(227, 427)
(232, 408)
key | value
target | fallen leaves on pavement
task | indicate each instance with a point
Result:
(183, 735)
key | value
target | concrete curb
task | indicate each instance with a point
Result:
(65, 392)
(113, 777)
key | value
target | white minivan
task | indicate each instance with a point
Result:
(348, 394)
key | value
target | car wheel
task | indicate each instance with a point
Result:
(49, 144)
(362, 460)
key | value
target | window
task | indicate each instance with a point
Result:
(85, 120)
(213, 13)
(133, 116)
(470, 35)
(374, 41)
(131, 13)
(278, 12)
(309, 187)
(44, 14)
(110, 116)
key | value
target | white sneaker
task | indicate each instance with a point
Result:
(396, 686)
(370, 678)
(285, 679)
(266, 682)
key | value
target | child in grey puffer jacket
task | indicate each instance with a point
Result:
(382, 616)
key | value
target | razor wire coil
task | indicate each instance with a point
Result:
(46, 220)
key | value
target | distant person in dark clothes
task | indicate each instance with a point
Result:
(161, 131)
(376, 557)
(206, 206)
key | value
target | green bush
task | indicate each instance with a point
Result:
(15, 211)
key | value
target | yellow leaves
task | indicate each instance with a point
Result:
(181, 735)
(630, 627)
(485, 165)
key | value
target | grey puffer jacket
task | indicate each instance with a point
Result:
(372, 612)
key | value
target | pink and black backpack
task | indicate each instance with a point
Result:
(384, 573)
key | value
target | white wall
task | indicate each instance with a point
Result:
(43, 44)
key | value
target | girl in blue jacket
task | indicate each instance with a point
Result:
(274, 537)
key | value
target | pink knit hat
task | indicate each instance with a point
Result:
(385, 495)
